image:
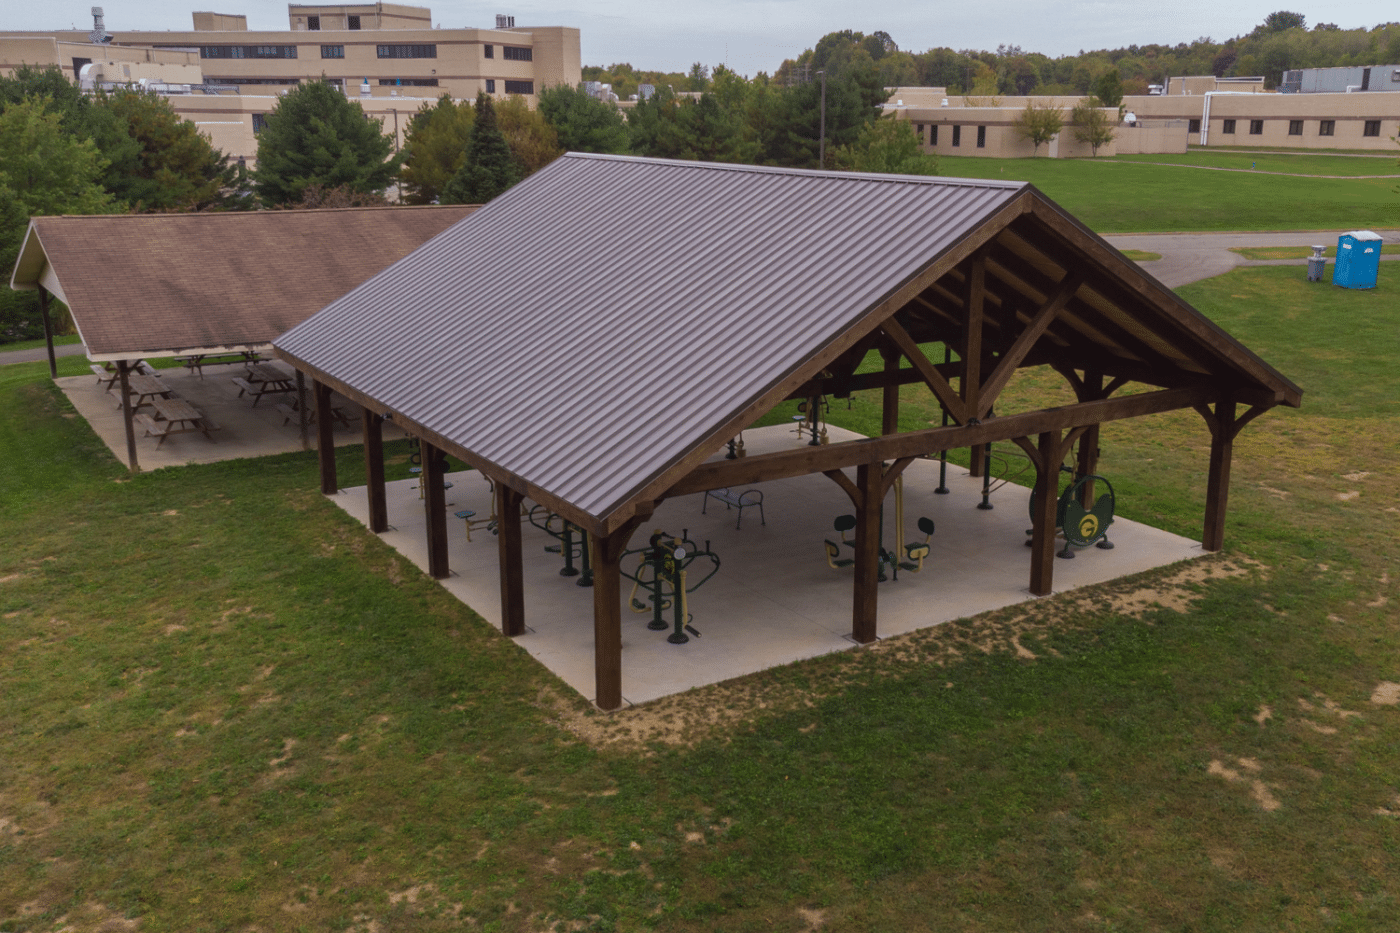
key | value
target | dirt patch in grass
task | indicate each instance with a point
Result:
(718, 710)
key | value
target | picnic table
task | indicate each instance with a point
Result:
(146, 389)
(107, 373)
(197, 362)
(264, 380)
(175, 416)
(290, 409)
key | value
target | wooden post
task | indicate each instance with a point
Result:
(607, 611)
(1087, 460)
(889, 409)
(374, 469)
(867, 569)
(1222, 446)
(511, 560)
(1047, 489)
(123, 371)
(325, 441)
(435, 510)
(302, 422)
(48, 330)
(970, 386)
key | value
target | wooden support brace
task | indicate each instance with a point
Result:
(373, 429)
(511, 560)
(607, 612)
(123, 374)
(867, 570)
(434, 509)
(325, 438)
(1047, 487)
(931, 376)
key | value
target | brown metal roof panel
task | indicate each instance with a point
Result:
(519, 336)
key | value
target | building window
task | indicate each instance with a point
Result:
(1295, 127)
(1228, 127)
(352, 22)
(512, 53)
(1256, 127)
(332, 51)
(1326, 127)
(259, 122)
(981, 137)
(490, 51)
(409, 82)
(520, 87)
(919, 128)
(933, 135)
(406, 51)
(274, 82)
(247, 51)
(957, 136)
(490, 85)
(1193, 126)
(1372, 128)
(313, 22)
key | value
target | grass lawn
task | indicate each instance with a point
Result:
(1293, 163)
(1141, 255)
(1123, 196)
(226, 706)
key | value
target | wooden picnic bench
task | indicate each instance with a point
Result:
(174, 416)
(197, 362)
(739, 500)
(260, 388)
(107, 372)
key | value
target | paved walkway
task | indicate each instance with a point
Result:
(1190, 257)
(40, 353)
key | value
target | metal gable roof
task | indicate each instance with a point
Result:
(518, 337)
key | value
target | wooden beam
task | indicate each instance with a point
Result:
(325, 438)
(757, 468)
(123, 374)
(1047, 491)
(1009, 362)
(841, 479)
(435, 510)
(864, 628)
(373, 431)
(974, 294)
(889, 398)
(1222, 445)
(303, 410)
(511, 559)
(893, 473)
(48, 330)
(935, 381)
(607, 612)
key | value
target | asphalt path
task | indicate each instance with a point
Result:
(1186, 257)
(1190, 257)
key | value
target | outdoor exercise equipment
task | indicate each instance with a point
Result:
(1081, 525)
(811, 420)
(736, 448)
(573, 542)
(662, 571)
(907, 555)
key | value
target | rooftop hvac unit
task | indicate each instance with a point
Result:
(505, 22)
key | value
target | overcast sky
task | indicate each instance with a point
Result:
(756, 35)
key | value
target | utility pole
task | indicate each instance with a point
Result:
(821, 146)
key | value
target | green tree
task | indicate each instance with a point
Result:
(1109, 88)
(583, 123)
(177, 168)
(44, 170)
(698, 79)
(888, 145)
(82, 116)
(488, 168)
(1091, 125)
(435, 147)
(316, 136)
(1279, 21)
(533, 142)
(1038, 124)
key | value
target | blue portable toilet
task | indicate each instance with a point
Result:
(1358, 259)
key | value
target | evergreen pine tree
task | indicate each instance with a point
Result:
(489, 168)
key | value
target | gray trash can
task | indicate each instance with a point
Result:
(1317, 265)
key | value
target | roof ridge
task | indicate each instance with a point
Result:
(948, 180)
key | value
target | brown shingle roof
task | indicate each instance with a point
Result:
(161, 284)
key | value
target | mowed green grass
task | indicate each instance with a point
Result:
(1294, 163)
(226, 706)
(1120, 196)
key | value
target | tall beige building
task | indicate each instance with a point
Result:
(389, 57)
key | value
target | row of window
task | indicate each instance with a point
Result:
(511, 87)
(351, 22)
(406, 51)
(957, 135)
(1295, 127)
(247, 51)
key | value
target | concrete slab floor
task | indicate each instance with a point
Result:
(244, 430)
(774, 600)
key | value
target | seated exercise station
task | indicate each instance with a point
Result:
(823, 285)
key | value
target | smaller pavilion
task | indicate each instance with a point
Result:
(598, 389)
(144, 286)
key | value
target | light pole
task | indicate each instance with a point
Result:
(821, 145)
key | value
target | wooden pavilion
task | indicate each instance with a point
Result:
(600, 388)
(145, 286)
